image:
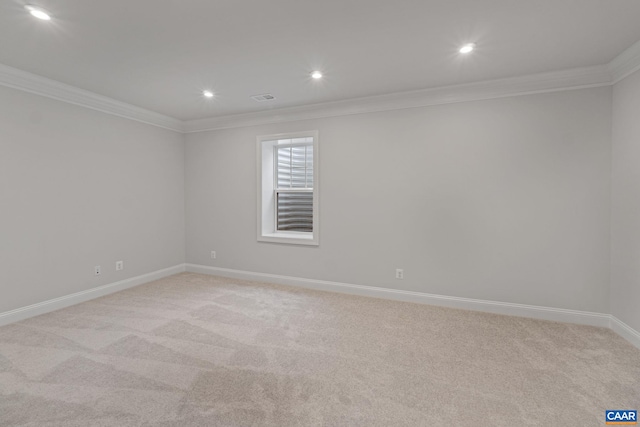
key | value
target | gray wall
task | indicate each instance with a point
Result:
(505, 200)
(80, 188)
(625, 224)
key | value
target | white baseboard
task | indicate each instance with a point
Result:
(511, 309)
(82, 296)
(625, 331)
(522, 310)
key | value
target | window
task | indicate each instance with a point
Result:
(288, 188)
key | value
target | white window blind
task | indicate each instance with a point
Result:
(294, 185)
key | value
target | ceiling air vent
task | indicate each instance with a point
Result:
(263, 98)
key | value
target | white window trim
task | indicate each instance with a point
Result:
(266, 231)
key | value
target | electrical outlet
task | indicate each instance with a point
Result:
(119, 265)
(213, 254)
(97, 270)
(399, 273)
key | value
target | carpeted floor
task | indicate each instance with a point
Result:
(195, 350)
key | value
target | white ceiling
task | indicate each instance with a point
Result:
(161, 54)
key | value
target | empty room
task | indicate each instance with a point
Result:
(340, 213)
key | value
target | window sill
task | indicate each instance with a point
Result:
(289, 238)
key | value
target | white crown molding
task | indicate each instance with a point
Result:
(509, 309)
(625, 64)
(577, 78)
(28, 82)
(82, 296)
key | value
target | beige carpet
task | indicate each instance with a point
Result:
(195, 350)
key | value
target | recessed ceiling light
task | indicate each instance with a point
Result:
(316, 75)
(467, 48)
(38, 13)
(207, 94)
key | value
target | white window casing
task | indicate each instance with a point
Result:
(288, 188)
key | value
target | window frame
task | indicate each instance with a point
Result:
(267, 164)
